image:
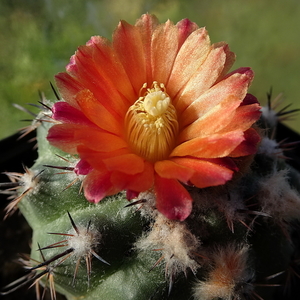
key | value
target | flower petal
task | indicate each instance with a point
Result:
(229, 60)
(96, 67)
(146, 24)
(170, 169)
(185, 28)
(164, 48)
(64, 112)
(68, 137)
(190, 57)
(212, 146)
(249, 145)
(98, 113)
(128, 163)
(95, 158)
(98, 140)
(235, 84)
(213, 121)
(106, 62)
(134, 183)
(128, 46)
(225, 162)
(62, 137)
(172, 199)
(97, 185)
(204, 77)
(207, 173)
(100, 86)
(82, 168)
(245, 115)
(68, 88)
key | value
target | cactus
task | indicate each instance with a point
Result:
(224, 233)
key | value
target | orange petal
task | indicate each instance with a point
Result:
(109, 67)
(128, 46)
(204, 78)
(100, 85)
(235, 84)
(97, 185)
(206, 173)
(212, 146)
(68, 137)
(62, 136)
(135, 183)
(190, 57)
(245, 115)
(212, 122)
(249, 145)
(64, 112)
(225, 162)
(99, 140)
(170, 169)
(68, 88)
(146, 24)
(128, 163)
(172, 199)
(98, 113)
(229, 61)
(95, 158)
(164, 48)
(185, 28)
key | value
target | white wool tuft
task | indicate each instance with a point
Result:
(270, 115)
(230, 276)
(30, 180)
(269, 147)
(178, 245)
(277, 198)
(84, 242)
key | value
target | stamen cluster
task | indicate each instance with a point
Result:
(151, 124)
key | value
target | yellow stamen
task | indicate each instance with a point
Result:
(151, 124)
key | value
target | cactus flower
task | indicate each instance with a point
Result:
(155, 109)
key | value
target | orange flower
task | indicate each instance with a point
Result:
(154, 108)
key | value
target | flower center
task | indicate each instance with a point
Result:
(151, 124)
